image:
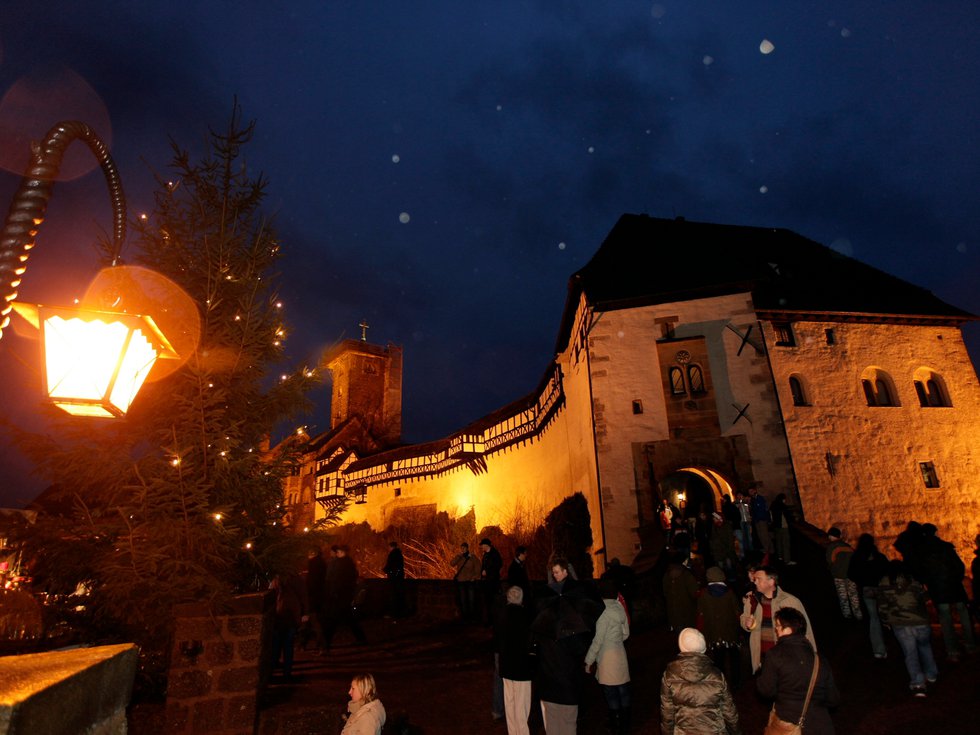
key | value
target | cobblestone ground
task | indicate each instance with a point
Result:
(437, 677)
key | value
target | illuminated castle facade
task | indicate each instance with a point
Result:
(742, 356)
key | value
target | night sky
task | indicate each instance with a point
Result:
(441, 168)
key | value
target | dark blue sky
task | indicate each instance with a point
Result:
(512, 135)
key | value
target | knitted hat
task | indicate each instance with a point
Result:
(691, 641)
(834, 532)
(715, 574)
(485, 542)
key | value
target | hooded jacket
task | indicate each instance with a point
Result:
(694, 698)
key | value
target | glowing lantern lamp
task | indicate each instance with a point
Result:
(95, 361)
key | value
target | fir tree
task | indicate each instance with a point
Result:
(182, 499)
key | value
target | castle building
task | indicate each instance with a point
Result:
(692, 360)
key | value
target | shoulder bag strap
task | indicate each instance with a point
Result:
(809, 691)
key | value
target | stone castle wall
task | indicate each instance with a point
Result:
(859, 465)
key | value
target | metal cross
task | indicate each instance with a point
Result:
(364, 327)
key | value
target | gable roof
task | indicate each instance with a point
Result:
(785, 273)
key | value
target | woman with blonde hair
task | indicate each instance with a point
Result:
(366, 714)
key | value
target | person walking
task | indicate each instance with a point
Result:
(680, 591)
(562, 630)
(491, 565)
(517, 572)
(759, 611)
(394, 570)
(467, 580)
(797, 678)
(288, 615)
(867, 567)
(316, 594)
(609, 654)
(512, 642)
(779, 512)
(341, 586)
(838, 560)
(902, 604)
(759, 510)
(694, 698)
(944, 572)
(718, 613)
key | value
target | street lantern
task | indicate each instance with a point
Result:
(95, 361)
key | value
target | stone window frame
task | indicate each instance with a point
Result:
(930, 389)
(930, 477)
(798, 391)
(879, 388)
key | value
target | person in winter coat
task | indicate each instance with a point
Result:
(562, 630)
(718, 612)
(902, 604)
(867, 567)
(467, 580)
(680, 590)
(609, 653)
(341, 586)
(786, 673)
(943, 577)
(288, 615)
(512, 642)
(365, 713)
(759, 612)
(694, 698)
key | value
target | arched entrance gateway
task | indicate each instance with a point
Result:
(695, 489)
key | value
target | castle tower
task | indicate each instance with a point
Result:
(367, 383)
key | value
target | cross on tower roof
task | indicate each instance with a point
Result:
(364, 327)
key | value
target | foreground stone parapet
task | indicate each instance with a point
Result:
(83, 690)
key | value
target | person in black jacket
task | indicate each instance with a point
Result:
(512, 642)
(517, 572)
(786, 672)
(395, 572)
(490, 567)
(866, 569)
(341, 586)
(563, 630)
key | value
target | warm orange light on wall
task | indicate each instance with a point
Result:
(95, 362)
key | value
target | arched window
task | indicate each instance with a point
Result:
(883, 392)
(695, 378)
(878, 387)
(796, 389)
(930, 389)
(677, 382)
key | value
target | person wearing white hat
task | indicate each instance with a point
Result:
(694, 696)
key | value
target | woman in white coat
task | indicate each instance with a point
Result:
(366, 714)
(609, 653)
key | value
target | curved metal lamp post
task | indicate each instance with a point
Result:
(95, 361)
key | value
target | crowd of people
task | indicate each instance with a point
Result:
(721, 595)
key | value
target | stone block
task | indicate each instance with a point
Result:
(240, 712)
(238, 679)
(193, 683)
(245, 626)
(218, 653)
(66, 692)
(209, 715)
(249, 650)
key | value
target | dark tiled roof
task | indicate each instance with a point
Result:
(645, 260)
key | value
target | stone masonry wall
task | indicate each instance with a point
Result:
(859, 465)
(217, 667)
